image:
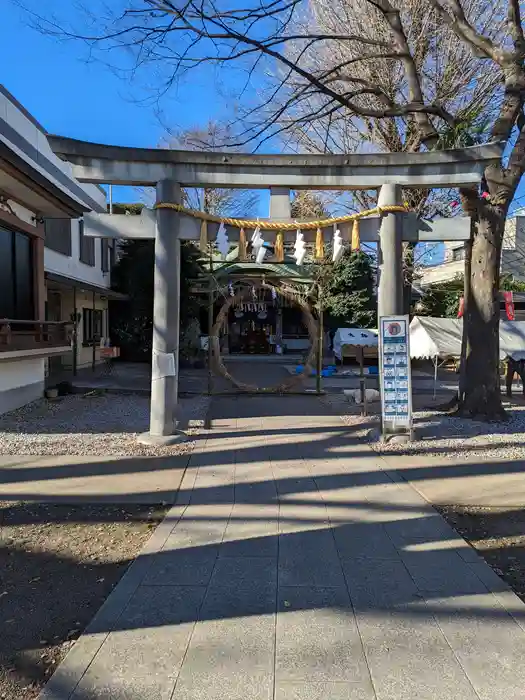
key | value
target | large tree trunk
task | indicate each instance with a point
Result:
(480, 394)
(408, 276)
(466, 296)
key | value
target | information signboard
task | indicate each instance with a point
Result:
(395, 378)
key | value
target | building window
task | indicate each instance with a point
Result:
(92, 326)
(458, 254)
(58, 235)
(112, 255)
(104, 255)
(87, 246)
(16, 276)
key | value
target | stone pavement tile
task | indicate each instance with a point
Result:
(231, 652)
(105, 685)
(213, 489)
(457, 544)
(281, 465)
(408, 652)
(317, 637)
(182, 567)
(379, 584)
(364, 540)
(442, 573)
(341, 485)
(241, 587)
(309, 558)
(411, 660)
(257, 492)
(256, 537)
(200, 533)
(208, 512)
(244, 570)
(146, 651)
(405, 529)
(209, 680)
(299, 518)
(324, 691)
(488, 642)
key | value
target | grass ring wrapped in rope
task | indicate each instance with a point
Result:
(311, 324)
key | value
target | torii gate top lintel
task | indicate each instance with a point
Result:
(122, 165)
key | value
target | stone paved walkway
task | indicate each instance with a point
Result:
(296, 566)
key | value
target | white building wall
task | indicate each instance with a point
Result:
(72, 266)
(512, 256)
(21, 381)
(21, 373)
(513, 252)
(441, 273)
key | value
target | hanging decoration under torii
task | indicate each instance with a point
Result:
(341, 239)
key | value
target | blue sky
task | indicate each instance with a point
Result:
(86, 100)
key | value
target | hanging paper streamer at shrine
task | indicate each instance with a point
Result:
(299, 248)
(461, 309)
(258, 245)
(509, 305)
(337, 246)
(222, 242)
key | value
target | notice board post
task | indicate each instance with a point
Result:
(395, 377)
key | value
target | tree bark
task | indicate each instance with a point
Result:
(466, 295)
(480, 394)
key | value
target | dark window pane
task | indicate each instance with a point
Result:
(58, 235)
(104, 252)
(92, 325)
(112, 255)
(87, 247)
(97, 324)
(86, 325)
(7, 281)
(23, 277)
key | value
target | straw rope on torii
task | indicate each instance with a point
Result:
(281, 226)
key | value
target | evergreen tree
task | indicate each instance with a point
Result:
(347, 291)
(132, 320)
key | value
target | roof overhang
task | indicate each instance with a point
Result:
(64, 281)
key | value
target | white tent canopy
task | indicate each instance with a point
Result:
(360, 337)
(441, 338)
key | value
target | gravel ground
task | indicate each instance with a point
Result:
(452, 437)
(498, 534)
(91, 424)
(57, 566)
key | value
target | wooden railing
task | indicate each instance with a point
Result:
(33, 335)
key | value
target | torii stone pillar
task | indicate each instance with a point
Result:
(166, 322)
(280, 208)
(390, 256)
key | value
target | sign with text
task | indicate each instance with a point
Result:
(394, 370)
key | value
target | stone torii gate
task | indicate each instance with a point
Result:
(169, 170)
